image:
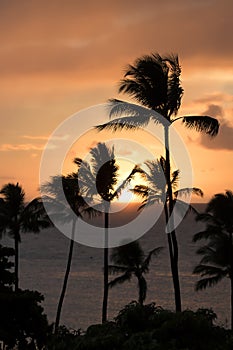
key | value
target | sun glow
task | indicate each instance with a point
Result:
(126, 197)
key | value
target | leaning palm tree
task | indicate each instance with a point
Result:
(99, 180)
(154, 82)
(54, 197)
(217, 255)
(130, 260)
(16, 216)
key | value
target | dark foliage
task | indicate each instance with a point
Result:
(149, 327)
(6, 276)
(22, 321)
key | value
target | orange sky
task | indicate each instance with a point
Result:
(59, 57)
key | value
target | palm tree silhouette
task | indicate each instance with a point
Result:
(98, 180)
(16, 216)
(155, 188)
(154, 82)
(76, 202)
(217, 255)
(130, 260)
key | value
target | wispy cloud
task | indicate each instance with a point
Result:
(35, 137)
(20, 147)
(213, 98)
(7, 178)
(43, 137)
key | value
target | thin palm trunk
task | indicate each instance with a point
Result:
(231, 303)
(16, 237)
(105, 297)
(172, 241)
(66, 277)
(140, 290)
(231, 278)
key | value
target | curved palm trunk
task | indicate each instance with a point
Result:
(63, 291)
(172, 241)
(105, 297)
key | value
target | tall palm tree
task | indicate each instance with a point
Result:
(17, 216)
(130, 260)
(217, 255)
(99, 180)
(76, 202)
(154, 82)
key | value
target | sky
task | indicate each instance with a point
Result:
(60, 57)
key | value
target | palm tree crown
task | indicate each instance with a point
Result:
(130, 260)
(217, 255)
(16, 216)
(155, 188)
(154, 82)
(98, 180)
(54, 190)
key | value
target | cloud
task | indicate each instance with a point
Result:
(7, 178)
(216, 97)
(20, 147)
(86, 37)
(42, 137)
(32, 137)
(224, 139)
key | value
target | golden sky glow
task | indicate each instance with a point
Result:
(59, 57)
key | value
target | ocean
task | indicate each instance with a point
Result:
(43, 261)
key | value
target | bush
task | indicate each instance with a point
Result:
(22, 321)
(147, 327)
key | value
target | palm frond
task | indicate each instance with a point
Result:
(208, 282)
(189, 190)
(114, 269)
(146, 263)
(205, 124)
(130, 255)
(175, 91)
(209, 270)
(34, 217)
(118, 108)
(221, 208)
(206, 217)
(127, 181)
(140, 190)
(183, 208)
(121, 279)
(146, 81)
(209, 232)
(127, 123)
(175, 178)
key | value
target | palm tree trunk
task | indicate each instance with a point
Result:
(172, 241)
(231, 277)
(63, 291)
(105, 297)
(231, 302)
(16, 237)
